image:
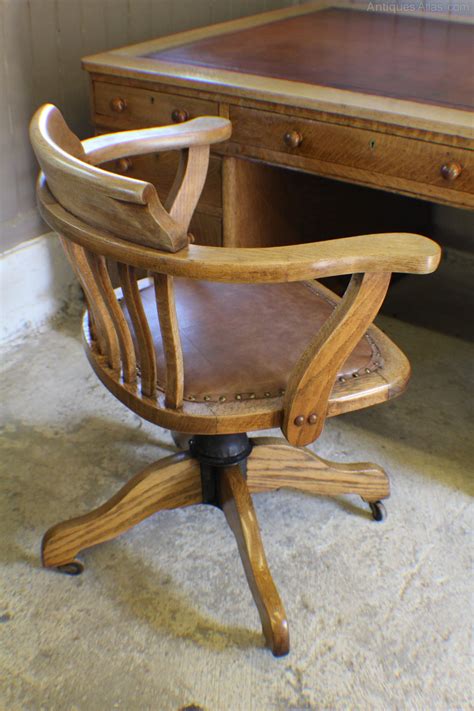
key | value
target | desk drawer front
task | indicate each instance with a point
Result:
(129, 107)
(376, 153)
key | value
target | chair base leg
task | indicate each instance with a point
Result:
(236, 503)
(167, 484)
(274, 464)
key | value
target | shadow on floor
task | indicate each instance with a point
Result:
(150, 596)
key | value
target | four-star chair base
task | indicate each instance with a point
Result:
(222, 470)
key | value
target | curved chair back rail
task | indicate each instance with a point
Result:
(104, 219)
(130, 208)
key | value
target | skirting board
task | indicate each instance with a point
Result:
(36, 283)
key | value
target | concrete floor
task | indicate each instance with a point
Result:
(162, 618)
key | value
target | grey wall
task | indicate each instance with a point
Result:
(41, 44)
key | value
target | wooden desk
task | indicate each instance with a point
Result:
(372, 99)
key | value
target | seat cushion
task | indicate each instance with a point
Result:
(241, 341)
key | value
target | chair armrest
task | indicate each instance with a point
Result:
(201, 131)
(406, 253)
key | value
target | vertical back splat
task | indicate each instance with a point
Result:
(165, 303)
(143, 337)
(99, 269)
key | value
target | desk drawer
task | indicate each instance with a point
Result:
(352, 149)
(130, 107)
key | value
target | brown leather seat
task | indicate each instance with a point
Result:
(240, 341)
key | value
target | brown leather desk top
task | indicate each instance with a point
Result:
(403, 57)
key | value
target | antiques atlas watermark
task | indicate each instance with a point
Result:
(462, 8)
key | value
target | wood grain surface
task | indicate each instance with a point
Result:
(169, 483)
(274, 464)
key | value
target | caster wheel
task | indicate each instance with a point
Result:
(75, 567)
(379, 512)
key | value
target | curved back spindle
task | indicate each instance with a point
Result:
(146, 355)
(188, 184)
(101, 274)
(104, 329)
(164, 292)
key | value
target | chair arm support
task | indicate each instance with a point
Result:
(312, 379)
(201, 131)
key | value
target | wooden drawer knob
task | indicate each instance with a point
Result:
(124, 164)
(451, 170)
(292, 139)
(179, 115)
(118, 104)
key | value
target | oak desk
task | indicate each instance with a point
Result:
(372, 99)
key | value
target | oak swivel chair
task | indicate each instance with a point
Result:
(215, 342)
